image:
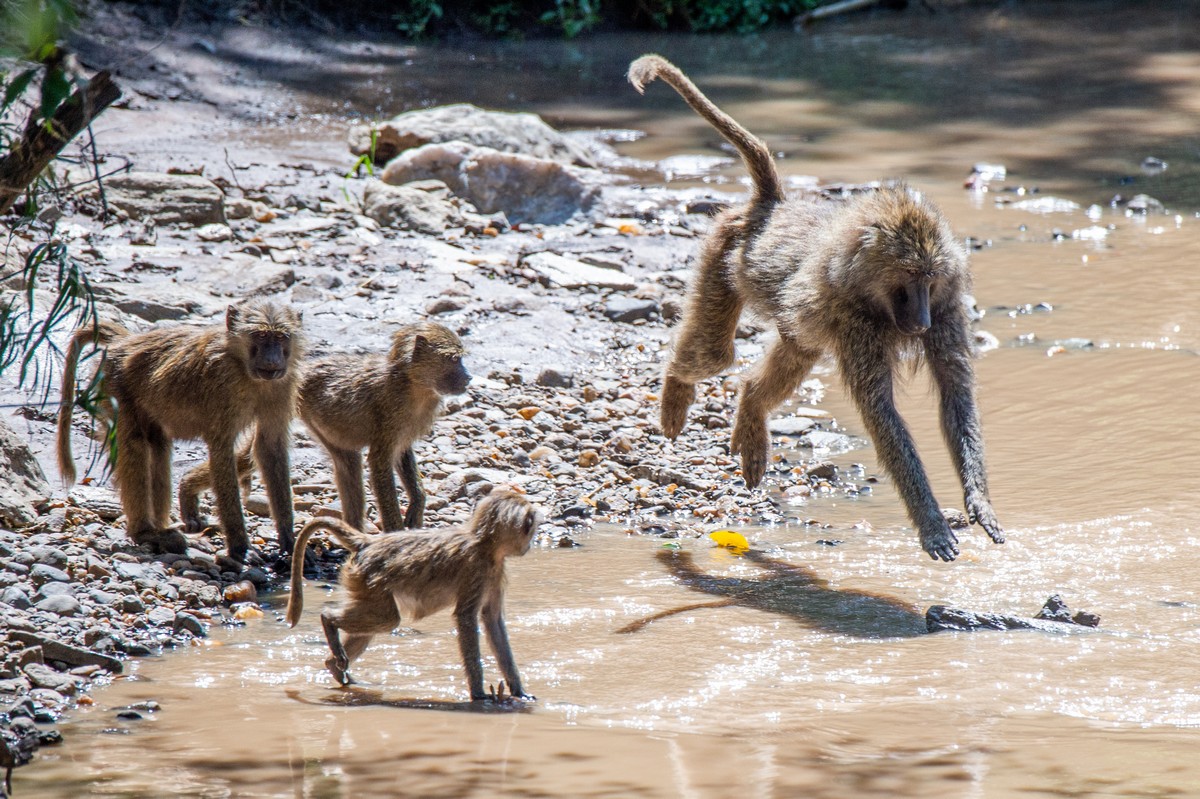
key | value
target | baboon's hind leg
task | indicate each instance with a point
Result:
(765, 385)
(704, 346)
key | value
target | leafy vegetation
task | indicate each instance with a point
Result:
(42, 287)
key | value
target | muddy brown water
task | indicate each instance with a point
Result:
(1093, 456)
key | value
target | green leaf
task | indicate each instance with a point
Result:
(56, 87)
(17, 86)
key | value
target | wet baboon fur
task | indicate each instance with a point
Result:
(208, 383)
(383, 403)
(871, 280)
(412, 574)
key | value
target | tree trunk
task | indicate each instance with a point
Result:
(41, 143)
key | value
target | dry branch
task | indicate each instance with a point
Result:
(41, 143)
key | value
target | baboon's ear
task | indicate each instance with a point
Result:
(420, 342)
(232, 314)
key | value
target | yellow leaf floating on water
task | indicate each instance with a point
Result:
(730, 540)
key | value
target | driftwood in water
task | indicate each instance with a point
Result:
(42, 142)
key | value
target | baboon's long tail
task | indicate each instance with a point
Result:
(768, 188)
(100, 333)
(346, 535)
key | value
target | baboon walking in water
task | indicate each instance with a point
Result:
(412, 574)
(871, 280)
(208, 383)
(383, 403)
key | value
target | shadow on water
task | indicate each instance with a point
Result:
(352, 696)
(795, 591)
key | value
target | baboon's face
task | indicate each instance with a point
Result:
(269, 353)
(910, 305)
(453, 375)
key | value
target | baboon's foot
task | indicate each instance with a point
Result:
(161, 542)
(979, 511)
(938, 540)
(676, 399)
(337, 667)
(752, 441)
(414, 517)
(196, 524)
(237, 551)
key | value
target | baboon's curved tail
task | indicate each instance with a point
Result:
(768, 188)
(347, 536)
(96, 335)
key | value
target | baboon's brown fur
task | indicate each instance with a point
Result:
(870, 280)
(382, 403)
(208, 383)
(412, 574)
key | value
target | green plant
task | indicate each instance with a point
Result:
(46, 289)
(413, 21)
(573, 17)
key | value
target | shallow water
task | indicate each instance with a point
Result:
(789, 688)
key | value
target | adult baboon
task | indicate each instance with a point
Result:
(871, 280)
(382, 403)
(195, 383)
(412, 574)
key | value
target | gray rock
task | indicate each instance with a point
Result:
(62, 604)
(522, 187)
(51, 556)
(53, 649)
(189, 623)
(168, 199)
(16, 598)
(506, 132)
(23, 485)
(41, 574)
(43, 676)
(552, 377)
(128, 570)
(567, 273)
(628, 309)
(164, 617)
(790, 425)
(130, 604)
(406, 208)
(239, 275)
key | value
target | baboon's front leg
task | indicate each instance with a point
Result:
(867, 371)
(410, 478)
(704, 345)
(222, 461)
(948, 351)
(383, 485)
(765, 385)
(466, 618)
(338, 661)
(497, 635)
(272, 447)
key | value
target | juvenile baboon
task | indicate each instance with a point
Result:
(412, 574)
(381, 403)
(195, 383)
(871, 280)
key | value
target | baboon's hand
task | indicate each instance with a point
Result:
(752, 442)
(337, 667)
(939, 541)
(676, 399)
(979, 511)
